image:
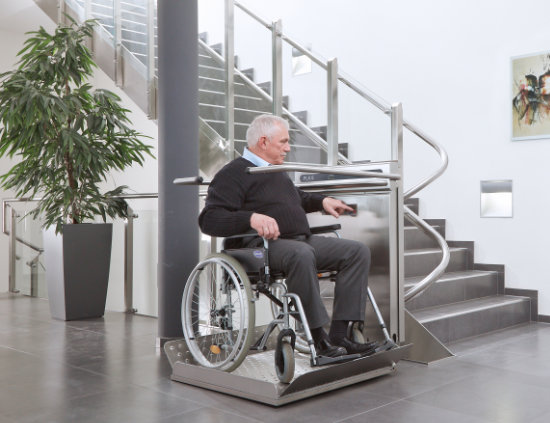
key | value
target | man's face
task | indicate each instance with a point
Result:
(276, 148)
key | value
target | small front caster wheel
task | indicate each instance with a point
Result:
(284, 362)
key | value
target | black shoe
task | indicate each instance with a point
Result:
(355, 348)
(326, 349)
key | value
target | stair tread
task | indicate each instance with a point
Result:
(450, 276)
(464, 307)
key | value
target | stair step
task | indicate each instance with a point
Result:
(421, 262)
(416, 238)
(413, 204)
(474, 317)
(242, 102)
(205, 59)
(454, 287)
(218, 85)
(217, 112)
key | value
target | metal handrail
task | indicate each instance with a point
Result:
(322, 169)
(385, 107)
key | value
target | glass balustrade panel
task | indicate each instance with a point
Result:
(29, 264)
(364, 131)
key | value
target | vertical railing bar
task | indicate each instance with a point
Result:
(129, 261)
(117, 17)
(397, 289)
(88, 15)
(151, 81)
(61, 11)
(87, 9)
(277, 65)
(230, 76)
(12, 250)
(34, 276)
(332, 112)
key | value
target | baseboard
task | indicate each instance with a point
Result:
(543, 318)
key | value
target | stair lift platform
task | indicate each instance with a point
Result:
(255, 379)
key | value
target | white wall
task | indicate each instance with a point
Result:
(22, 16)
(448, 62)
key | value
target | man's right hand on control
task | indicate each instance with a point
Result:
(266, 226)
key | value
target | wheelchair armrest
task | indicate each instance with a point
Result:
(325, 229)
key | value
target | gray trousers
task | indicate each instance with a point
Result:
(299, 259)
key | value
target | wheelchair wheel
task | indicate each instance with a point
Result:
(285, 365)
(217, 313)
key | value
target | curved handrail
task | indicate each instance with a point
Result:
(440, 268)
(442, 154)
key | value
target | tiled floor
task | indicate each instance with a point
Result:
(108, 370)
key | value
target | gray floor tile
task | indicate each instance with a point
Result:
(208, 415)
(498, 399)
(129, 404)
(109, 370)
(410, 412)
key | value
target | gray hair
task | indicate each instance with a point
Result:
(263, 125)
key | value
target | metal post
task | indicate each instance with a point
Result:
(230, 76)
(332, 112)
(33, 264)
(151, 81)
(87, 9)
(129, 262)
(88, 15)
(397, 303)
(12, 250)
(277, 65)
(397, 134)
(117, 22)
(60, 11)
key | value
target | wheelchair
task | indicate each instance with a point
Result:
(218, 312)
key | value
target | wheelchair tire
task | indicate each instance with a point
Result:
(217, 313)
(285, 367)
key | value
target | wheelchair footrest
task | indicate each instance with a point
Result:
(386, 345)
(321, 360)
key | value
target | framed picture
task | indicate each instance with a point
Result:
(531, 96)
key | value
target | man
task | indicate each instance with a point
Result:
(271, 206)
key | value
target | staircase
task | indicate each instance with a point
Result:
(465, 301)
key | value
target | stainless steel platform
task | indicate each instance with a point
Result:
(255, 378)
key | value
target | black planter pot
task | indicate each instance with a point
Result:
(77, 270)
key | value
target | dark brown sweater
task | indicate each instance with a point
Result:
(234, 195)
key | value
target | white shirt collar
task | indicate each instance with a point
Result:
(251, 157)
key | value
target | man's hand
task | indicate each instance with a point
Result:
(265, 226)
(335, 207)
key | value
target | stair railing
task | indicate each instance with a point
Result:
(333, 76)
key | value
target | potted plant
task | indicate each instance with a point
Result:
(68, 137)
